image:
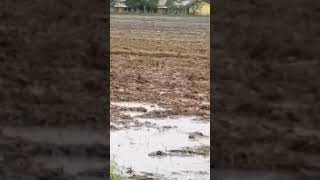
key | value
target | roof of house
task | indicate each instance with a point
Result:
(185, 2)
(120, 4)
(180, 3)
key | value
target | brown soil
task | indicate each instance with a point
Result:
(51, 75)
(265, 87)
(161, 60)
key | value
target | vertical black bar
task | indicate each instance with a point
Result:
(54, 89)
(212, 85)
(264, 89)
(108, 84)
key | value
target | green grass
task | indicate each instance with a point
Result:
(115, 172)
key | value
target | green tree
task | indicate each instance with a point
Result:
(151, 5)
(112, 3)
(170, 3)
(143, 4)
(134, 4)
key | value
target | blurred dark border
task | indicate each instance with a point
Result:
(54, 75)
(264, 86)
(108, 83)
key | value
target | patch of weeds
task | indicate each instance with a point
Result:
(115, 173)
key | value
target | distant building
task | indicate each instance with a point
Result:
(162, 8)
(120, 6)
(183, 7)
(179, 7)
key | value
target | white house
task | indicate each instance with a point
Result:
(162, 8)
(120, 6)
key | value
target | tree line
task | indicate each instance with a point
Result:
(143, 5)
(139, 5)
(150, 5)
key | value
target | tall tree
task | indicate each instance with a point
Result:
(134, 4)
(170, 3)
(142, 4)
(112, 3)
(153, 4)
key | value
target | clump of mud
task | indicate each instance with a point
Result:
(188, 151)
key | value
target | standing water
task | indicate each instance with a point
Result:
(175, 147)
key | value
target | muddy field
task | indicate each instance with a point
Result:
(160, 96)
(162, 60)
(52, 90)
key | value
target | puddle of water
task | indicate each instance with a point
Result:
(130, 147)
(185, 124)
(132, 113)
(148, 106)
